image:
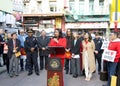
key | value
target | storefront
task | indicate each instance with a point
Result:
(44, 21)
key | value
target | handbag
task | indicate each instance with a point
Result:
(17, 54)
(103, 76)
(104, 73)
(68, 55)
(23, 51)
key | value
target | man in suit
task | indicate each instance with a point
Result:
(32, 53)
(13, 47)
(42, 42)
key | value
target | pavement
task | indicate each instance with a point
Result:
(2, 69)
(34, 80)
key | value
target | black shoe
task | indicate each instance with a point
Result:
(70, 73)
(30, 73)
(41, 68)
(16, 75)
(22, 69)
(1, 65)
(66, 71)
(37, 74)
(11, 76)
(75, 76)
(104, 85)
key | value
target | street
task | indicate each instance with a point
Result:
(34, 80)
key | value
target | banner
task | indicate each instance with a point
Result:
(109, 55)
(105, 44)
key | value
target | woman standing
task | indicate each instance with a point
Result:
(69, 38)
(75, 49)
(6, 51)
(88, 56)
(57, 41)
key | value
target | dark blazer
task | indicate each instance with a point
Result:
(43, 43)
(98, 44)
(10, 47)
(76, 48)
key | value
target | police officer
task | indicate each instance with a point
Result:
(32, 53)
(98, 51)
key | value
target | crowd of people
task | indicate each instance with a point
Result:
(82, 51)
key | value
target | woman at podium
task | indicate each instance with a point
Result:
(58, 41)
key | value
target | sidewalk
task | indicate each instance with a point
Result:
(2, 69)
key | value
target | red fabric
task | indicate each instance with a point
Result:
(61, 42)
(23, 51)
(115, 46)
(81, 49)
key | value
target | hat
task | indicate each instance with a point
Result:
(21, 30)
(80, 33)
(30, 31)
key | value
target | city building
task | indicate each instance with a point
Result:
(44, 14)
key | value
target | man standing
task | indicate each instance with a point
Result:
(22, 38)
(13, 47)
(115, 46)
(42, 42)
(32, 53)
(98, 51)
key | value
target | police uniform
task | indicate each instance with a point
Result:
(32, 55)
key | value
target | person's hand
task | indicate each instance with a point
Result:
(96, 52)
(32, 49)
(67, 50)
(73, 55)
(43, 48)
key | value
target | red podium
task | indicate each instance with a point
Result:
(54, 67)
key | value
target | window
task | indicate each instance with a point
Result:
(53, 9)
(71, 0)
(53, 6)
(91, 7)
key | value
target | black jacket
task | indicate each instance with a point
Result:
(43, 43)
(75, 49)
(30, 42)
(10, 47)
(98, 45)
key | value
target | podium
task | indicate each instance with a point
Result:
(54, 67)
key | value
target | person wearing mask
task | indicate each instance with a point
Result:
(13, 47)
(75, 61)
(42, 42)
(88, 56)
(98, 51)
(32, 53)
(115, 46)
(22, 38)
(69, 38)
